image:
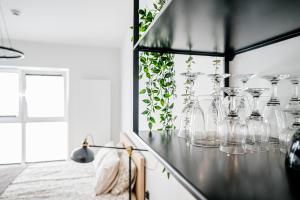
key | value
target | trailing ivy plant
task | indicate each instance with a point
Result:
(187, 83)
(217, 64)
(158, 71)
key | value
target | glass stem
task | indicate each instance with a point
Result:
(255, 106)
(295, 91)
(244, 84)
(232, 106)
(274, 91)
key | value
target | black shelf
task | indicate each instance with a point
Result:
(210, 27)
(208, 173)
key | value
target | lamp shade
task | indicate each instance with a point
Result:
(82, 155)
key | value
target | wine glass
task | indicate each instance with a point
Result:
(209, 137)
(216, 106)
(197, 124)
(186, 113)
(244, 108)
(287, 133)
(273, 112)
(258, 127)
(232, 132)
(294, 101)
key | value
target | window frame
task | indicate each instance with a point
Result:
(22, 116)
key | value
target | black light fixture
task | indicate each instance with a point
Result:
(7, 51)
(84, 155)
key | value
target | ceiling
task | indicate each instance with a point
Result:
(79, 22)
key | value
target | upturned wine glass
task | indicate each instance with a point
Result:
(232, 132)
(216, 106)
(243, 107)
(258, 127)
(209, 137)
(197, 124)
(273, 112)
(287, 133)
(186, 113)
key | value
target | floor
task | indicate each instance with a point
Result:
(8, 173)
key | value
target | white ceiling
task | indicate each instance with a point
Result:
(80, 22)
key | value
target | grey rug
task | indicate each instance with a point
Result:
(8, 173)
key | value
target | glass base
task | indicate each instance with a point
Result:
(250, 145)
(273, 102)
(233, 148)
(207, 143)
(274, 141)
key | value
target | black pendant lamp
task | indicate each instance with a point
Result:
(83, 154)
(6, 49)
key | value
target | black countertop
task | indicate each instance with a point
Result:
(208, 173)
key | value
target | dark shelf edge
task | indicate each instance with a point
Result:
(270, 41)
(180, 51)
(176, 174)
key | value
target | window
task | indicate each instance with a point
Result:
(33, 116)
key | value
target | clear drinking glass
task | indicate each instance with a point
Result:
(232, 132)
(209, 137)
(287, 133)
(258, 127)
(197, 125)
(294, 101)
(186, 113)
(273, 112)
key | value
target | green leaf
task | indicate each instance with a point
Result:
(152, 120)
(148, 75)
(168, 84)
(168, 75)
(146, 70)
(157, 107)
(155, 91)
(146, 101)
(156, 98)
(143, 59)
(171, 106)
(170, 64)
(143, 29)
(142, 12)
(143, 91)
(167, 95)
(162, 102)
(149, 91)
(162, 82)
(145, 112)
(156, 70)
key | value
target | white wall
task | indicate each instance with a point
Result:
(83, 63)
(126, 84)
